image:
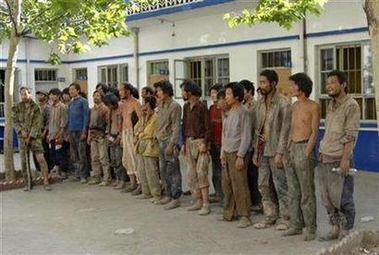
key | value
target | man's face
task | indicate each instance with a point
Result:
(73, 91)
(100, 90)
(25, 95)
(185, 95)
(123, 92)
(144, 93)
(66, 98)
(295, 89)
(161, 96)
(229, 97)
(214, 95)
(97, 98)
(221, 103)
(41, 97)
(333, 86)
(54, 98)
(247, 95)
(265, 85)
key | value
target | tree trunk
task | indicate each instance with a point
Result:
(14, 41)
(372, 13)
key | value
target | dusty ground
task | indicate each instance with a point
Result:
(82, 219)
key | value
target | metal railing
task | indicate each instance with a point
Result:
(159, 5)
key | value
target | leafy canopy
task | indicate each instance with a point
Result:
(283, 12)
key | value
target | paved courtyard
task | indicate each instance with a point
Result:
(82, 219)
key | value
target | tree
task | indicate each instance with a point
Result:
(69, 26)
(287, 12)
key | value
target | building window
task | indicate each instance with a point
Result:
(157, 70)
(280, 61)
(45, 75)
(113, 75)
(209, 70)
(356, 62)
(81, 74)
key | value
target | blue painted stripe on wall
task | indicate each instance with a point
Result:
(175, 9)
(98, 59)
(338, 32)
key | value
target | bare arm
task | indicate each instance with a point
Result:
(315, 120)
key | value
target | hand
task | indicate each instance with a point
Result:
(279, 160)
(223, 161)
(183, 150)
(24, 134)
(83, 136)
(240, 163)
(345, 166)
(170, 150)
(202, 148)
(255, 159)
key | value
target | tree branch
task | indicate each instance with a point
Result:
(11, 17)
(39, 15)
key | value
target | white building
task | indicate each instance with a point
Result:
(190, 39)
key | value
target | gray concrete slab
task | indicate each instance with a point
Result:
(82, 219)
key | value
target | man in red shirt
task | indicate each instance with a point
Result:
(215, 115)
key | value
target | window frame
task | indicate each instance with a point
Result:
(120, 75)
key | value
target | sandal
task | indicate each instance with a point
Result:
(264, 224)
(281, 226)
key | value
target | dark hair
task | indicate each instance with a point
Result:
(152, 101)
(248, 85)
(26, 88)
(191, 87)
(303, 82)
(237, 90)
(103, 86)
(66, 91)
(271, 75)
(83, 94)
(111, 99)
(148, 90)
(55, 91)
(115, 91)
(128, 86)
(76, 85)
(101, 95)
(165, 86)
(135, 93)
(216, 87)
(341, 76)
(221, 93)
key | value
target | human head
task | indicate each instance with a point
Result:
(149, 105)
(164, 90)
(135, 92)
(221, 102)
(97, 97)
(74, 90)
(190, 89)
(111, 100)
(146, 91)
(268, 79)
(25, 94)
(249, 89)
(301, 83)
(234, 93)
(214, 90)
(66, 95)
(41, 96)
(102, 88)
(336, 83)
(125, 90)
(54, 95)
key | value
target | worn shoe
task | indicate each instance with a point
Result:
(144, 196)
(244, 222)
(309, 236)
(343, 234)
(137, 191)
(283, 225)
(83, 180)
(164, 201)
(196, 206)
(115, 183)
(104, 183)
(172, 205)
(264, 224)
(47, 187)
(205, 210)
(333, 234)
(94, 181)
(214, 199)
(129, 189)
(292, 232)
(120, 185)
